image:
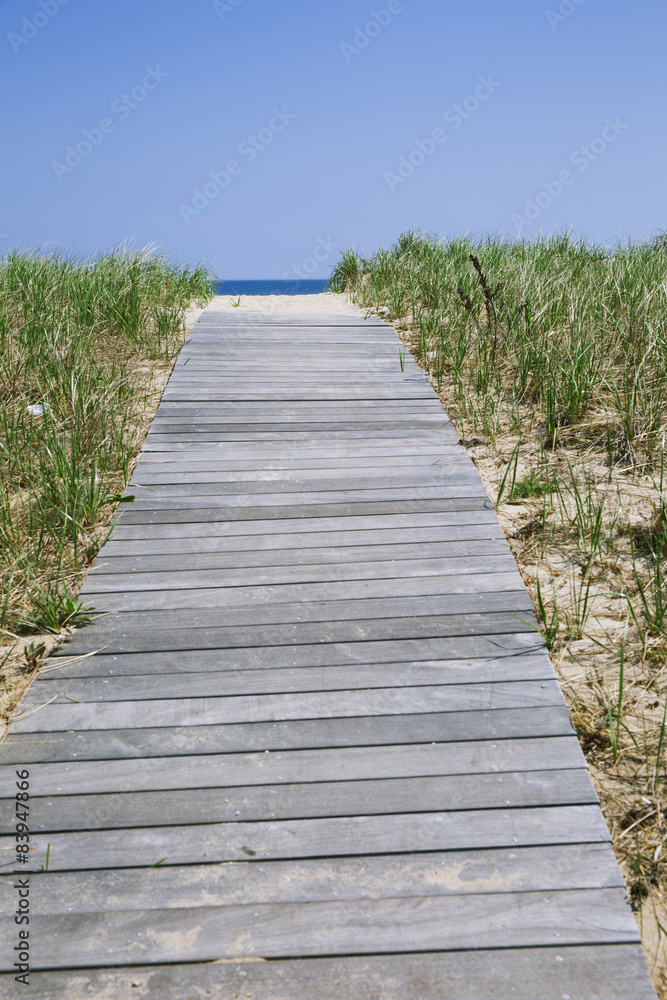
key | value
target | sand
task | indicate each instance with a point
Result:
(324, 304)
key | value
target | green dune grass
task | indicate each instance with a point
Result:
(81, 347)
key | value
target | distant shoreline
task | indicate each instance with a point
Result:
(272, 286)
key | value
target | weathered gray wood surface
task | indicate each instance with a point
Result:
(614, 972)
(273, 930)
(526, 869)
(331, 798)
(314, 695)
(109, 744)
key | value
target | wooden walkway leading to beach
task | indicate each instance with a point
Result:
(319, 752)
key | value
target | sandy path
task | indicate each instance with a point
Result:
(325, 303)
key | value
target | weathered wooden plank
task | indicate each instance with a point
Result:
(283, 346)
(456, 873)
(82, 687)
(376, 367)
(219, 387)
(506, 657)
(344, 463)
(332, 375)
(277, 584)
(111, 744)
(193, 423)
(411, 377)
(411, 372)
(409, 381)
(380, 372)
(305, 766)
(428, 411)
(305, 604)
(301, 480)
(64, 715)
(130, 635)
(72, 661)
(433, 429)
(365, 374)
(370, 372)
(294, 334)
(209, 389)
(602, 972)
(453, 793)
(499, 920)
(345, 348)
(496, 920)
(219, 461)
(328, 396)
(212, 553)
(220, 338)
(357, 357)
(328, 339)
(278, 471)
(198, 431)
(281, 440)
(474, 829)
(220, 320)
(192, 515)
(204, 389)
(235, 493)
(394, 522)
(153, 501)
(329, 400)
(387, 361)
(453, 574)
(303, 447)
(294, 432)
(226, 486)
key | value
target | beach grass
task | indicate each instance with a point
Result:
(550, 357)
(85, 350)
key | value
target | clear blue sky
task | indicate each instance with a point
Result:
(315, 118)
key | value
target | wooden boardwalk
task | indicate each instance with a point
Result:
(320, 753)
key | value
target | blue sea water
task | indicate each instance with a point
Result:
(296, 286)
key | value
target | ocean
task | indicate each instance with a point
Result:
(295, 286)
